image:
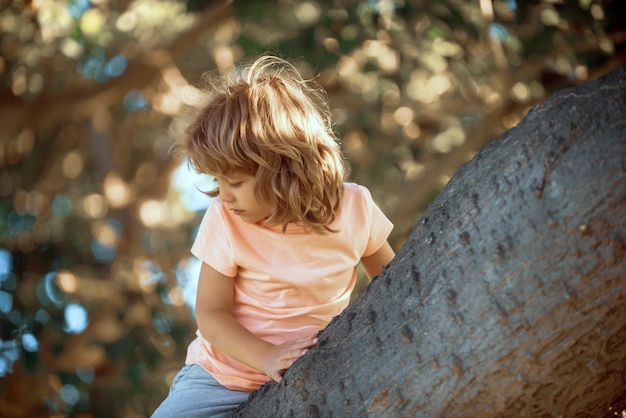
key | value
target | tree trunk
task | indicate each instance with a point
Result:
(508, 298)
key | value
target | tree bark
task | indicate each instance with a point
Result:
(508, 298)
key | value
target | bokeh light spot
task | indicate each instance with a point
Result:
(92, 22)
(498, 33)
(42, 317)
(78, 7)
(152, 213)
(162, 323)
(116, 66)
(48, 291)
(67, 281)
(95, 206)
(69, 394)
(148, 274)
(520, 92)
(6, 302)
(175, 296)
(307, 12)
(127, 21)
(102, 252)
(76, 318)
(403, 115)
(5, 264)
(6, 367)
(135, 100)
(117, 192)
(30, 343)
(61, 206)
(86, 374)
(11, 350)
(549, 16)
(72, 165)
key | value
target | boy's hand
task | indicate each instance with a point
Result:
(281, 357)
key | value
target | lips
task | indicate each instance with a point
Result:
(237, 211)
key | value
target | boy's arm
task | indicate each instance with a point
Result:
(373, 264)
(214, 303)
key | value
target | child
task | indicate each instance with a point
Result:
(279, 246)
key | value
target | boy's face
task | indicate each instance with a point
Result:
(237, 192)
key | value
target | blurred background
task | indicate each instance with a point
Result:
(97, 218)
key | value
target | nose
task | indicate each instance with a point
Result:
(225, 195)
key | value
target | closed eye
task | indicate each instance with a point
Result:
(233, 184)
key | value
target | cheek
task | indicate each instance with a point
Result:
(266, 206)
(260, 206)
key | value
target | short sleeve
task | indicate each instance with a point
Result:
(213, 241)
(380, 225)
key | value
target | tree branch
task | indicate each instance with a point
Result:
(16, 114)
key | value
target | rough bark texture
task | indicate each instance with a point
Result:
(508, 299)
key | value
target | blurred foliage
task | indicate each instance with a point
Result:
(95, 226)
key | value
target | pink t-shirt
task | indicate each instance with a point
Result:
(287, 285)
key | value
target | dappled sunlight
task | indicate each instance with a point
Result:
(446, 140)
(72, 165)
(95, 206)
(191, 186)
(92, 22)
(413, 170)
(147, 274)
(76, 318)
(48, 292)
(67, 281)
(187, 274)
(170, 101)
(118, 193)
(307, 12)
(154, 213)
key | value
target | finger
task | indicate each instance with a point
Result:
(277, 376)
(287, 361)
(293, 354)
(307, 342)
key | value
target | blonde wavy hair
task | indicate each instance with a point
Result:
(264, 119)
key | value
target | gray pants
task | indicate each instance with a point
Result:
(195, 393)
